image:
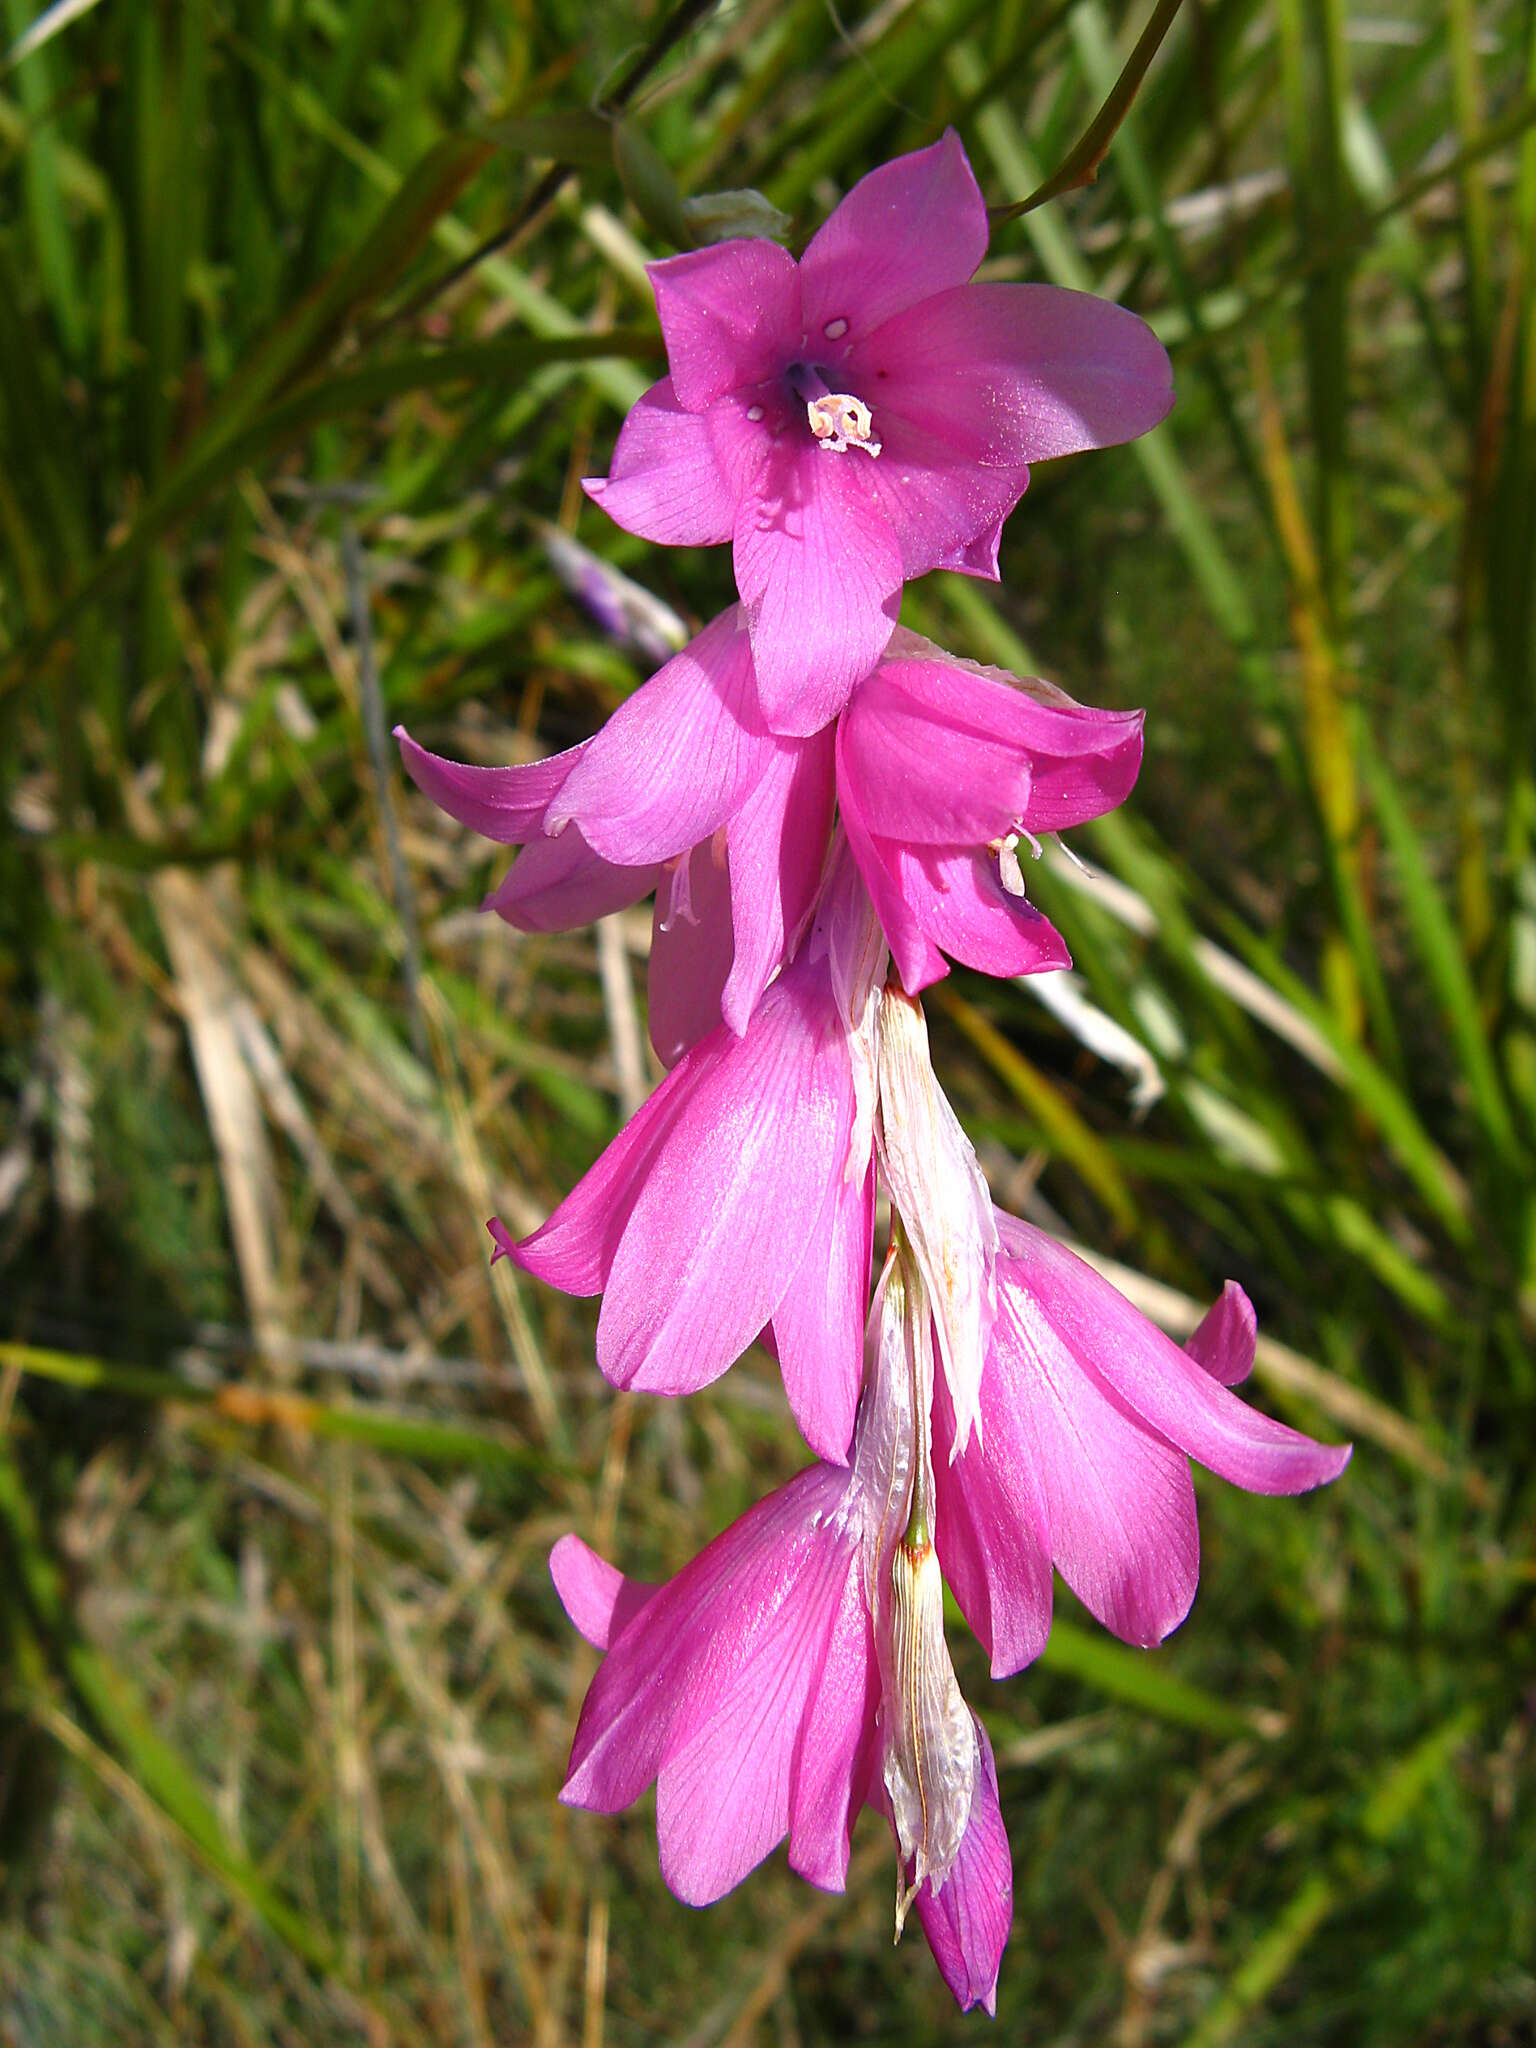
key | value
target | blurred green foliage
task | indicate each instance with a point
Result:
(311, 312)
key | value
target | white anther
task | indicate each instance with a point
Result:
(840, 422)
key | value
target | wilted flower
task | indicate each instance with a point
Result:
(864, 415)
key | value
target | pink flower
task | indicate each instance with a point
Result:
(864, 415)
(740, 1194)
(936, 766)
(779, 1682)
(1089, 1415)
(684, 791)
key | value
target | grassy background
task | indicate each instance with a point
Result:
(300, 342)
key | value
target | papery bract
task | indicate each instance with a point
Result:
(864, 416)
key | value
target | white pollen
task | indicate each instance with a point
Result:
(840, 422)
(754, 413)
(835, 329)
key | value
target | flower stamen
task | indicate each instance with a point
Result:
(840, 422)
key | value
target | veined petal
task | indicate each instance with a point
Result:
(968, 1922)
(1156, 1379)
(1119, 1502)
(710, 1655)
(1020, 372)
(945, 504)
(691, 952)
(916, 773)
(777, 843)
(677, 758)
(730, 314)
(575, 1249)
(504, 804)
(957, 899)
(820, 574)
(600, 1601)
(1224, 1343)
(719, 1228)
(665, 483)
(818, 1327)
(993, 1539)
(835, 1752)
(555, 885)
(912, 227)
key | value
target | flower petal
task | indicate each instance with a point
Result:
(1119, 1502)
(730, 314)
(777, 844)
(921, 770)
(1015, 373)
(575, 1249)
(945, 502)
(600, 1601)
(968, 1922)
(716, 1233)
(991, 1532)
(956, 898)
(915, 226)
(555, 885)
(504, 804)
(677, 758)
(836, 1747)
(820, 575)
(664, 482)
(701, 1653)
(691, 949)
(1224, 1343)
(1158, 1380)
(818, 1327)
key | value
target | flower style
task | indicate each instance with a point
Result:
(796, 1670)
(1089, 1415)
(865, 415)
(742, 1194)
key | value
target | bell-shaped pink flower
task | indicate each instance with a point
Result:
(1089, 1416)
(740, 1194)
(864, 415)
(781, 1680)
(941, 765)
(684, 791)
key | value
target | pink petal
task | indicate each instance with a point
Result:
(1119, 1502)
(730, 315)
(555, 885)
(818, 1327)
(968, 1922)
(819, 572)
(957, 899)
(945, 504)
(836, 1747)
(777, 844)
(664, 483)
(1082, 760)
(575, 1249)
(918, 960)
(504, 804)
(600, 1601)
(992, 1535)
(912, 227)
(924, 770)
(1224, 1343)
(720, 1226)
(690, 956)
(700, 1656)
(677, 758)
(1013, 373)
(1157, 1379)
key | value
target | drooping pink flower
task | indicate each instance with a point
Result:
(741, 1194)
(684, 791)
(1089, 1417)
(941, 766)
(864, 415)
(782, 1680)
